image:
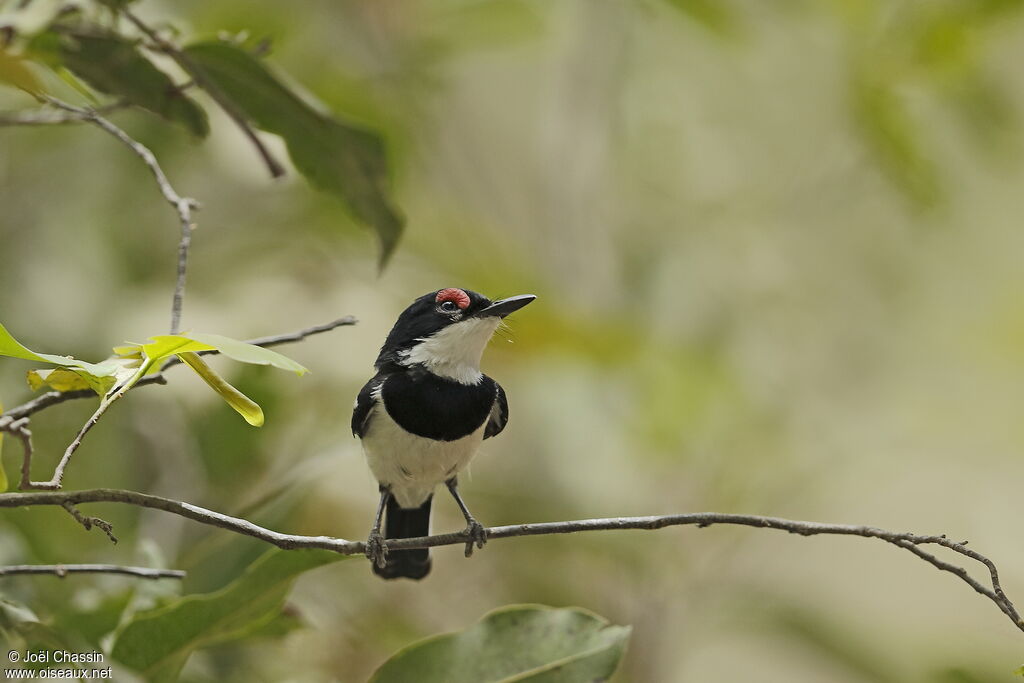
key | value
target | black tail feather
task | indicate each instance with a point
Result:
(406, 523)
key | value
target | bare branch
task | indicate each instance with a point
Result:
(183, 206)
(293, 337)
(169, 49)
(19, 428)
(62, 570)
(90, 522)
(907, 541)
(41, 402)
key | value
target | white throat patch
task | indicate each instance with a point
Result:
(455, 351)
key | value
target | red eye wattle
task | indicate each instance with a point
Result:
(456, 296)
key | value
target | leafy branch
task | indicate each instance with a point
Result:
(170, 349)
(910, 542)
(52, 398)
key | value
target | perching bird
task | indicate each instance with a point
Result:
(423, 416)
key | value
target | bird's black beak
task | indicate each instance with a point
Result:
(503, 307)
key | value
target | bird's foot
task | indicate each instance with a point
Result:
(377, 549)
(477, 536)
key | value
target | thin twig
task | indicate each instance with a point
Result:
(62, 570)
(19, 428)
(105, 403)
(199, 76)
(183, 206)
(907, 541)
(90, 522)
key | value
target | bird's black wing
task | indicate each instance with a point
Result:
(499, 414)
(364, 405)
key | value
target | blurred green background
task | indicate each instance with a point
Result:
(778, 256)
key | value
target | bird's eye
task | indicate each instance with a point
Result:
(449, 306)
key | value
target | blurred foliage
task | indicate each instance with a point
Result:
(157, 643)
(517, 642)
(338, 158)
(776, 248)
(82, 39)
(114, 66)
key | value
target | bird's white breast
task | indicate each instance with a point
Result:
(454, 352)
(413, 466)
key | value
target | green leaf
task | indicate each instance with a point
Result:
(335, 157)
(60, 379)
(9, 346)
(100, 377)
(515, 643)
(242, 404)
(14, 72)
(115, 66)
(166, 345)
(158, 642)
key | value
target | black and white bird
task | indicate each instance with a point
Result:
(423, 416)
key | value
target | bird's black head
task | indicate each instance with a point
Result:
(446, 330)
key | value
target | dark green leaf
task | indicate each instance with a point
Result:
(336, 157)
(115, 66)
(517, 642)
(158, 642)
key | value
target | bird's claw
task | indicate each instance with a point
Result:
(377, 549)
(477, 536)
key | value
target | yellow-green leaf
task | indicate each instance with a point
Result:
(167, 345)
(13, 71)
(129, 351)
(242, 404)
(61, 379)
(100, 377)
(248, 353)
(164, 346)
